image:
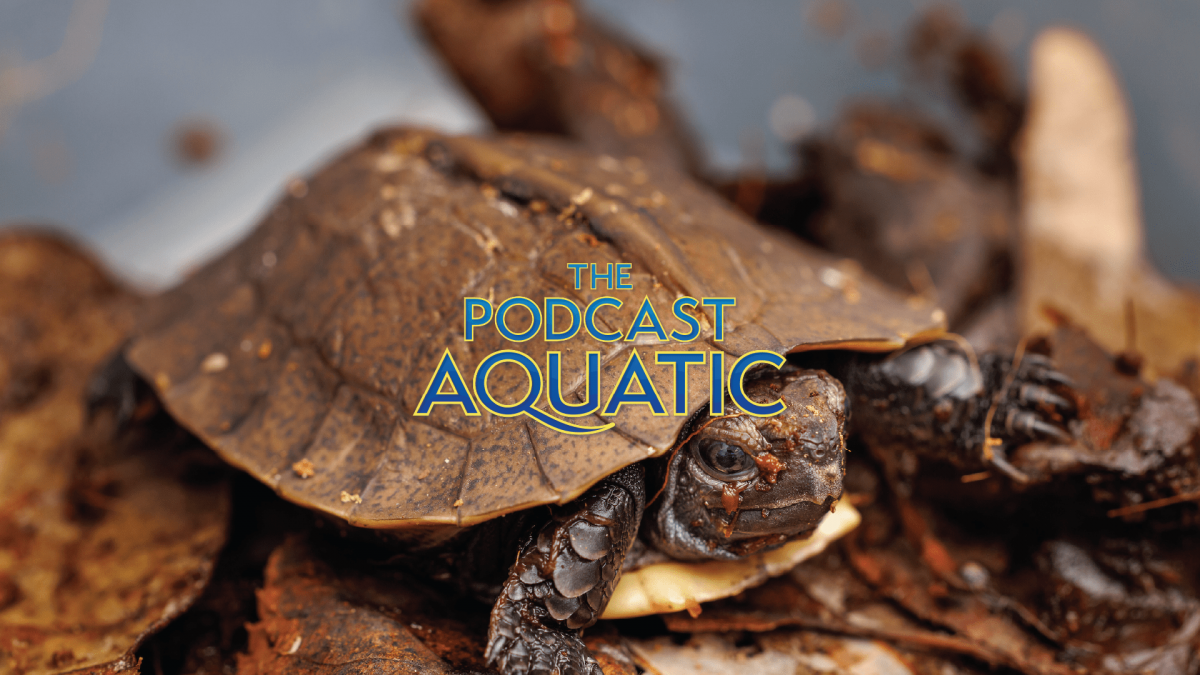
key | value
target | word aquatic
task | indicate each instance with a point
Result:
(634, 387)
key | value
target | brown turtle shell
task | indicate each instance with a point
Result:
(301, 353)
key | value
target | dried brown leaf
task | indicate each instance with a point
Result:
(1084, 250)
(314, 619)
(103, 538)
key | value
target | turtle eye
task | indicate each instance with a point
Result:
(725, 461)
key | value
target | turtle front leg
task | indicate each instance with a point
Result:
(564, 575)
(934, 399)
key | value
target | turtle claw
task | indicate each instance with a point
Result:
(1035, 404)
(1040, 396)
(999, 461)
(1029, 424)
(1040, 369)
(1055, 377)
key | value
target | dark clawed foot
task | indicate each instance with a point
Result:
(523, 648)
(1037, 403)
(564, 574)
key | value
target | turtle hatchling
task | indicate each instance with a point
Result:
(302, 354)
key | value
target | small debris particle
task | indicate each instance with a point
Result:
(293, 367)
(650, 451)
(888, 160)
(974, 574)
(162, 381)
(269, 259)
(832, 278)
(938, 316)
(264, 350)
(214, 363)
(408, 216)
(608, 163)
(507, 208)
(589, 239)
(537, 206)
(247, 345)
(694, 610)
(347, 498)
(769, 466)
(297, 188)
(791, 117)
(731, 497)
(583, 197)
(306, 469)
(197, 142)
(388, 163)
(458, 503)
(388, 192)
(489, 191)
(295, 646)
(390, 223)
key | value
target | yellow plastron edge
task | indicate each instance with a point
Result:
(674, 586)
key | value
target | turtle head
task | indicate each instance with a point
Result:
(741, 483)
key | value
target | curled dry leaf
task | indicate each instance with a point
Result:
(781, 653)
(829, 595)
(103, 537)
(546, 66)
(329, 607)
(1084, 253)
(319, 615)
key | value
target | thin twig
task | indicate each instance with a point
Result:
(1156, 504)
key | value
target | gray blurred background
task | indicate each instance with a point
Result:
(102, 102)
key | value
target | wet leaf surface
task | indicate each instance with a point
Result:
(104, 537)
